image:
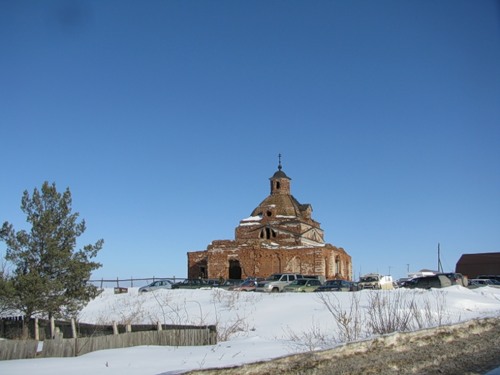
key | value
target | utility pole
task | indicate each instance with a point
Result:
(440, 266)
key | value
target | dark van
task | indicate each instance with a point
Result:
(427, 282)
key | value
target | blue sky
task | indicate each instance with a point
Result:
(165, 119)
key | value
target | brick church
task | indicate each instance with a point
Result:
(280, 236)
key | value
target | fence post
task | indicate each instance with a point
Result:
(37, 332)
(73, 328)
(52, 327)
(58, 334)
(115, 328)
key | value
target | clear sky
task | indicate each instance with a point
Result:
(165, 119)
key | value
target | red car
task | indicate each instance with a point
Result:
(246, 286)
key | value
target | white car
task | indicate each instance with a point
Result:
(276, 282)
(375, 281)
(159, 284)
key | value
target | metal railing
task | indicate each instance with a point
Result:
(131, 282)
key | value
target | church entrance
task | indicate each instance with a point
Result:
(202, 269)
(234, 269)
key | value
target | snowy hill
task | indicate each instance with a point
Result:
(256, 326)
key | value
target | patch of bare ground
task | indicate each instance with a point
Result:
(467, 348)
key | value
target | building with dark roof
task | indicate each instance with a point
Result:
(473, 265)
(279, 236)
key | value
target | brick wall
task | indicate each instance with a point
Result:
(221, 258)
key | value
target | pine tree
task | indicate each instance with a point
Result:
(6, 289)
(49, 275)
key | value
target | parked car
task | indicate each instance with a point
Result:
(427, 282)
(192, 284)
(484, 282)
(276, 282)
(223, 284)
(491, 277)
(229, 284)
(375, 281)
(245, 286)
(337, 286)
(321, 278)
(158, 284)
(355, 286)
(302, 285)
(401, 282)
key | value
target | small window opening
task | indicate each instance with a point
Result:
(267, 233)
(278, 185)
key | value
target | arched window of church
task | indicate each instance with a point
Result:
(267, 233)
(296, 265)
(276, 264)
(278, 185)
(338, 268)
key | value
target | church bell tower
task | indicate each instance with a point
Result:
(280, 182)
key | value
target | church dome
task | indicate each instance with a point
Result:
(280, 174)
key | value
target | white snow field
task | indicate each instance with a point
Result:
(253, 326)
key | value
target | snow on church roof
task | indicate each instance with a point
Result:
(253, 218)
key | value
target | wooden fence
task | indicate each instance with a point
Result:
(133, 335)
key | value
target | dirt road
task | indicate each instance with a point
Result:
(467, 348)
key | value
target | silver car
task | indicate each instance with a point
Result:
(159, 284)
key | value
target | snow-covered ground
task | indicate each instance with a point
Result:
(251, 326)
